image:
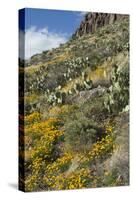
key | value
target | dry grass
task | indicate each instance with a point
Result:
(59, 58)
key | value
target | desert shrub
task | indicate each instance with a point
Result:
(94, 109)
(81, 132)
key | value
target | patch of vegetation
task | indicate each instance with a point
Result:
(118, 94)
(81, 133)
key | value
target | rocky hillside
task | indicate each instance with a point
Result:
(77, 107)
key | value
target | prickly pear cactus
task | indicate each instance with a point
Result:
(117, 97)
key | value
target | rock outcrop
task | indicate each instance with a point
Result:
(92, 21)
(84, 96)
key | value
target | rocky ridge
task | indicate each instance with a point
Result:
(93, 21)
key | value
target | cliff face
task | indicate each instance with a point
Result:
(93, 21)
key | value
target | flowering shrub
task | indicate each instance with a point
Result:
(109, 128)
(61, 164)
(75, 180)
(102, 148)
(57, 177)
(55, 169)
(32, 181)
(32, 118)
(43, 147)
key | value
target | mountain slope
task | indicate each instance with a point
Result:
(76, 99)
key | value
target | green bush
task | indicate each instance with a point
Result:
(94, 109)
(81, 132)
